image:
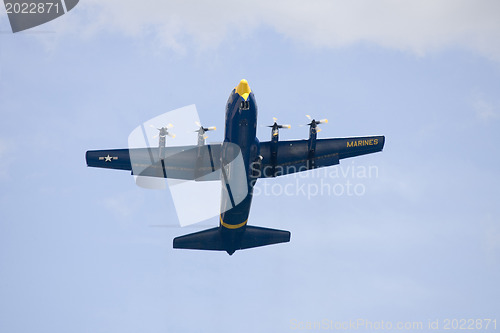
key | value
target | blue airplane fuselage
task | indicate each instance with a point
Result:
(240, 131)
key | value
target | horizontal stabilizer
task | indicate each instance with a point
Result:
(209, 239)
(214, 239)
(258, 236)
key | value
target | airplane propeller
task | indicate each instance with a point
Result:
(313, 122)
(275, 120)
(275, 126)
(202, 130)
(164, 131)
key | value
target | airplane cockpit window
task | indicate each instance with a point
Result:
(245, 105)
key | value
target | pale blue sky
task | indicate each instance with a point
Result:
(77, 252)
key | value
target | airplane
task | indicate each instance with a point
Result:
(266, 159)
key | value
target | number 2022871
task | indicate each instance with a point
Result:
(31, 8)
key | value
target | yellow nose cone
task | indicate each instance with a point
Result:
(243, 89)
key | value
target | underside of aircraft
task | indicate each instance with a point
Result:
(237, 163)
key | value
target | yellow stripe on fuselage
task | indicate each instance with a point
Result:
(232, 226)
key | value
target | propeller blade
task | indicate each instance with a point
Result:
(213, 128)
(197, 123)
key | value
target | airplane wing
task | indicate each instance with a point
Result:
(202, 163)
(186, 162)
(295, 155)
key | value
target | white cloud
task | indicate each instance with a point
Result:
(420, 27)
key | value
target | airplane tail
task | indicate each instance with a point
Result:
(209, 239)
(258, 236)
(214, 239)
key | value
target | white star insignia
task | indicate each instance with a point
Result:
(107, 158)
